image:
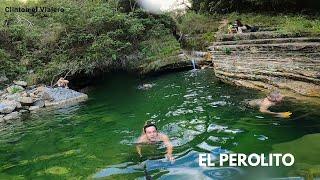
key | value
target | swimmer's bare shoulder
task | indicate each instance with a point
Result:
(163, 137)
(255, 102)
(142, 139)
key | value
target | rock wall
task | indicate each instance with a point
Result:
(267, 61)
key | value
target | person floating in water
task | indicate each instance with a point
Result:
(151, 136)
(145, 86)
(272, 99)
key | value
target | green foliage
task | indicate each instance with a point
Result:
(157, 49)
(300, 24)
(9, 67)
(89, 36)
(228, 6)
(227, 51)
(194, 24)
(200, 29)
(283, 23)
(15, 90)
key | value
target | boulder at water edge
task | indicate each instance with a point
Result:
(25, 100)
(8, 106)
(20, 83)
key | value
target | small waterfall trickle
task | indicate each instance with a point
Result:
(193, 64)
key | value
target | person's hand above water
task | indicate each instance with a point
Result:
(284, 114)
(170, 157)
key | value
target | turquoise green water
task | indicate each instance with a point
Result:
(77, 142)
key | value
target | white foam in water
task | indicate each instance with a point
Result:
(193, 94)
(215, 127)
(200, 128)
(178, 112)
(233, 131)
(199, 109)
(218, 103)
(261, 137)
(206, 146)
(219, 128)
(221, 140)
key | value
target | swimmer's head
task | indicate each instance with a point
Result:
(151, 132)
(275, 96)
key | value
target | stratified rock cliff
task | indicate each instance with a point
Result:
(268, 60)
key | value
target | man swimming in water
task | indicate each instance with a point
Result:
(152, 136)
(272, 99)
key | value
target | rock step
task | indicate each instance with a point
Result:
(258, 73)
(314, 56)
(304, 59)
(301, 47)
(258, 35)
(286, 62)
(264, 83)
(301, 74)
(269, 41)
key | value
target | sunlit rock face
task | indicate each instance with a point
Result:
(267, 60)
(159, 7)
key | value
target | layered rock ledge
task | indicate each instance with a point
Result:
(267, 61)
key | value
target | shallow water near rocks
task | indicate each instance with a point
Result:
(193, 108)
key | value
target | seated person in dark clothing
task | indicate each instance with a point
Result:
(244, 28)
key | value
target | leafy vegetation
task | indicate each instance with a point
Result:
(199, 30)
(245, 6)
(88, 37)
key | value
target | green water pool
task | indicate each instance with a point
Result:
(78, 141)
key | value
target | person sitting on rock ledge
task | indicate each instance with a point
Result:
(272, 99)
(232, 28)
(243, 28)
(62, 82)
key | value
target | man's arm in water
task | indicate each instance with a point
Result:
(169, 146)
(265, 109)
(140, 140)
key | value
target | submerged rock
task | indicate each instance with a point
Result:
(33, 108)
(13, 115)
(23, 111)
(1, 118)
(39, 103)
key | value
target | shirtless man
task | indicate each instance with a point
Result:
(62, 82)
(151, 136)
(271, 100)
